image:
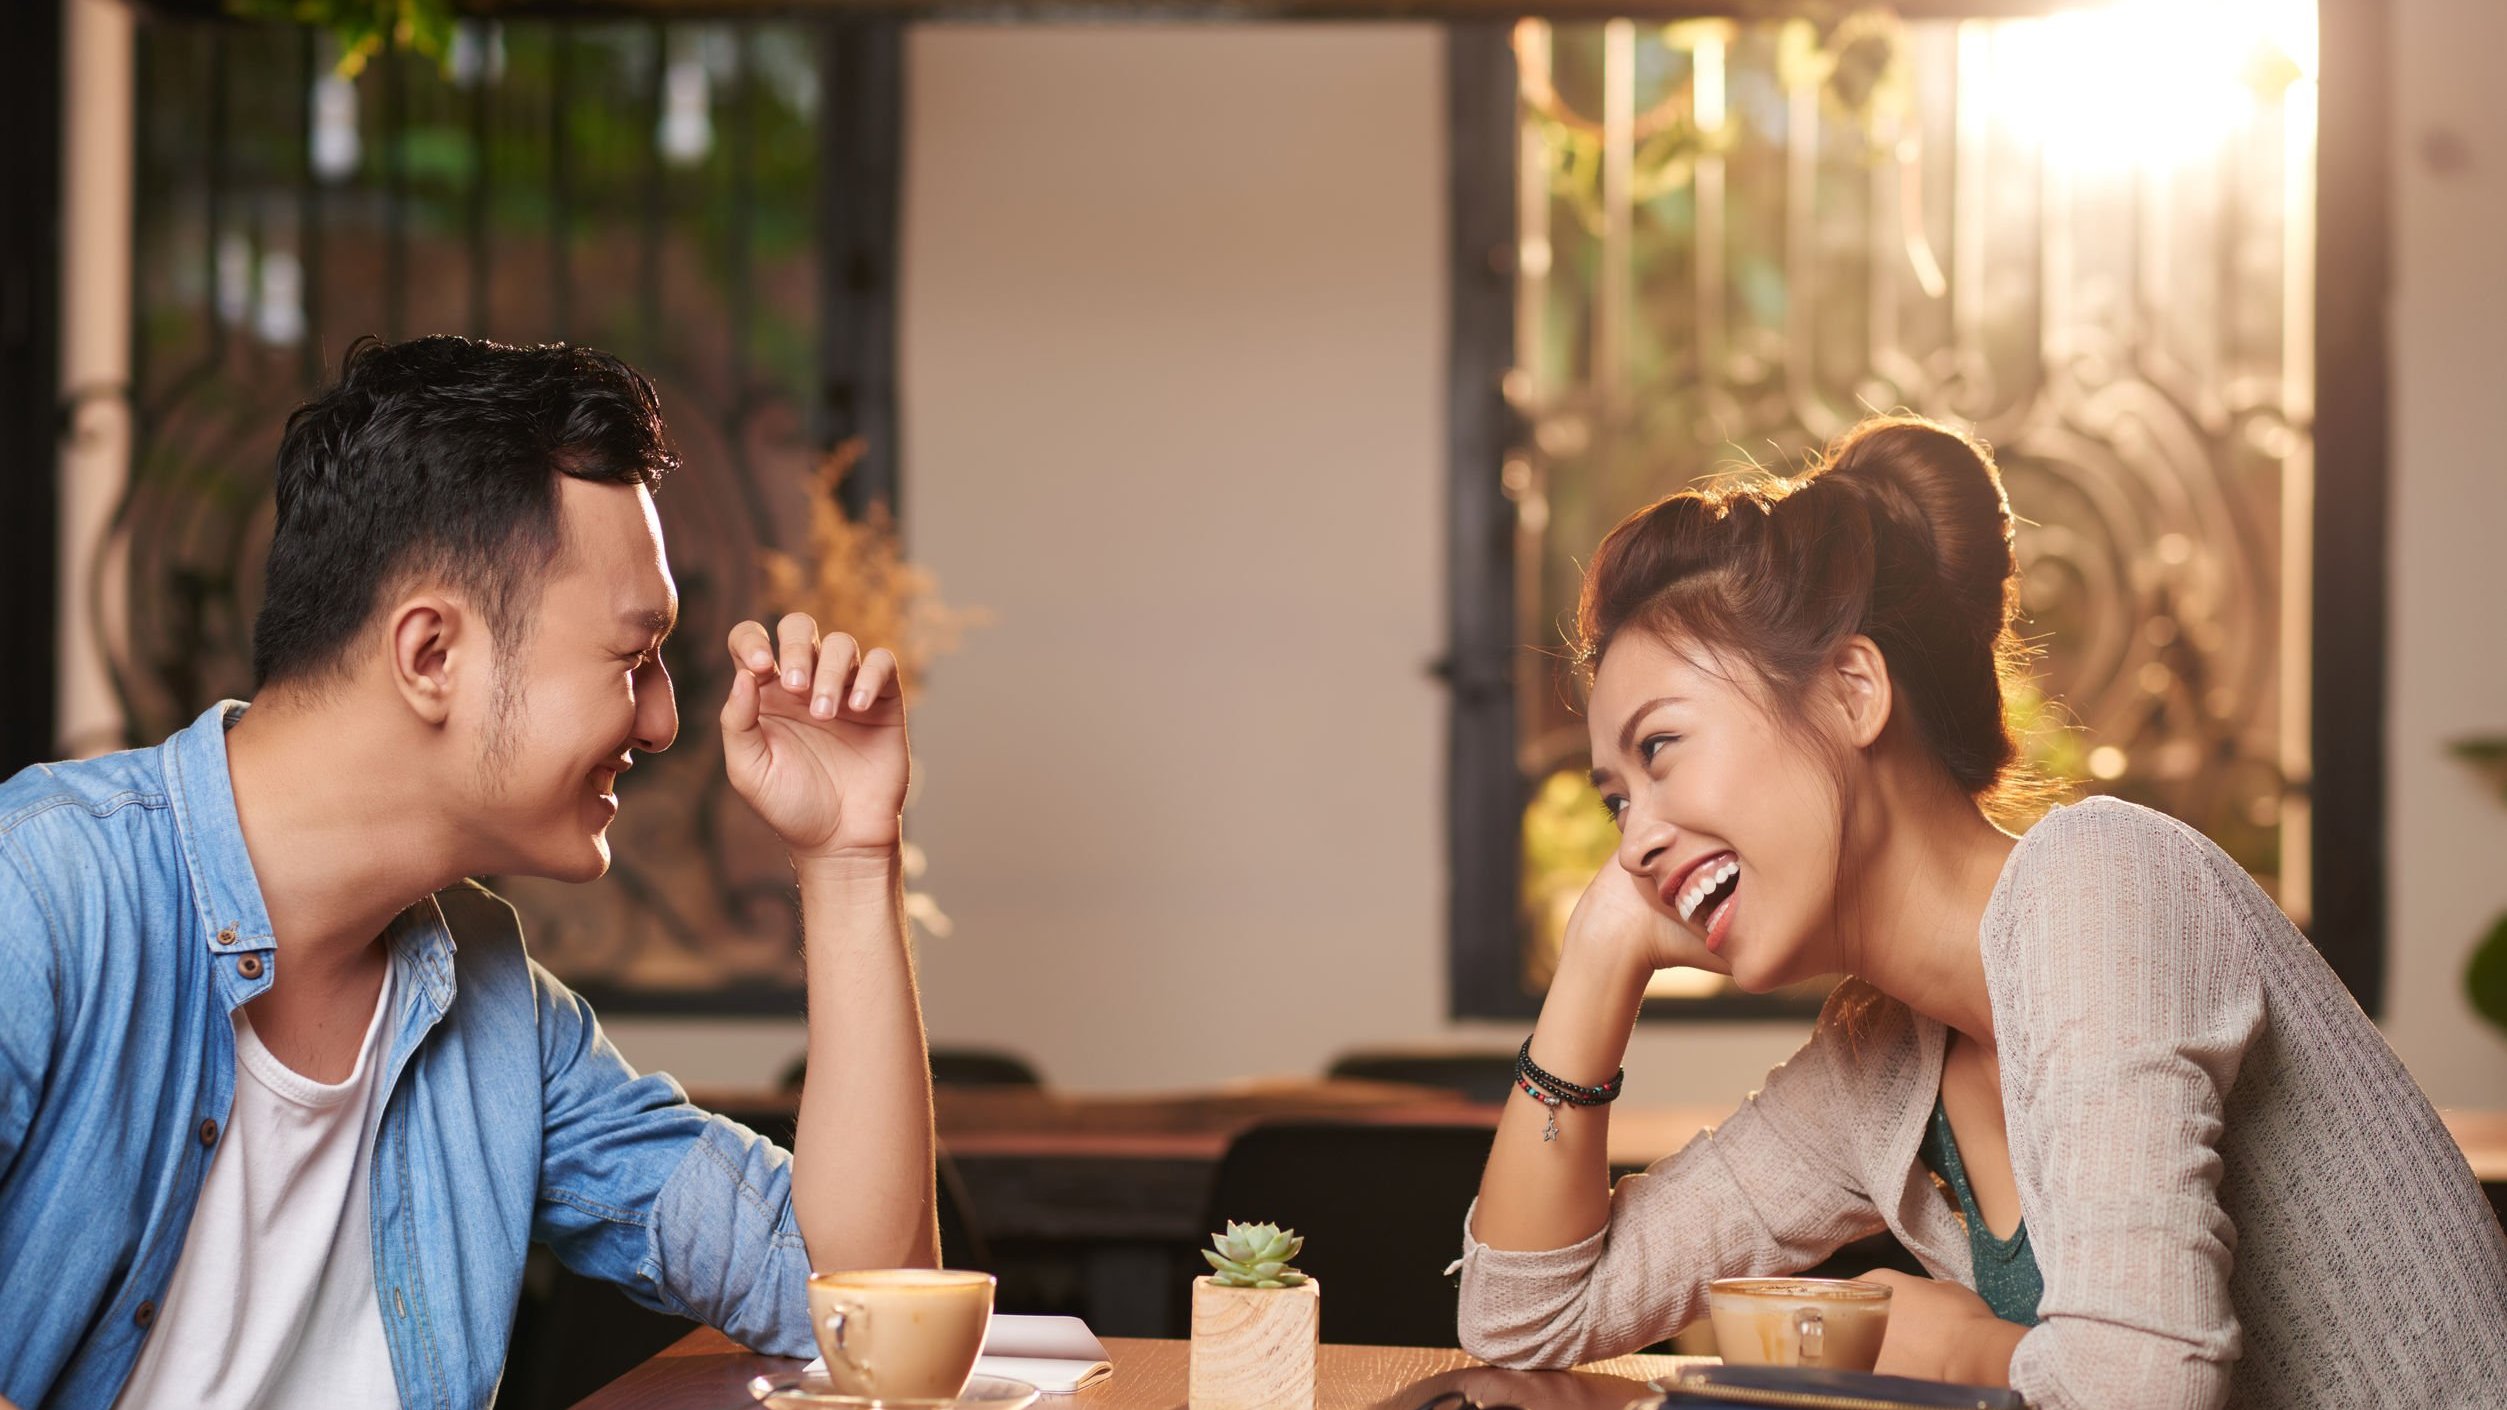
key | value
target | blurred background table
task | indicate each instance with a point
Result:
(708, 1371)
(1038, 1163)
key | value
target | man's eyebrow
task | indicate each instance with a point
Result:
(1628, 731)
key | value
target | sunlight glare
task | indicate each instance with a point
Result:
(2144, 83)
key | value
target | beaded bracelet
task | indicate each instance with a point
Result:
(1554, 1092)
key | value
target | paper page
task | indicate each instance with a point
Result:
(1056, 1355)
(1046, 1338)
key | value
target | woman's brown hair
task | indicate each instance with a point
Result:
(1900, 533)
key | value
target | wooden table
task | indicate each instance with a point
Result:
(708, 1371)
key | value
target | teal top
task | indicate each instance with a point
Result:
(2006, 1269)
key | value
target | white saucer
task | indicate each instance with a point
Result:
(816, 1392)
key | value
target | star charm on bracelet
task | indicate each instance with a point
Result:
(1549, 1132)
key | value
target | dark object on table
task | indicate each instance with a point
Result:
(1481, 1076)
(1816, 1388)
(1381, 1207)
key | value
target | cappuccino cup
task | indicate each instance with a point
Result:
(1832, 1322)
(900, 1333)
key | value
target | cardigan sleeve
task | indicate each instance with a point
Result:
(1769, 1192)
(2125, 998)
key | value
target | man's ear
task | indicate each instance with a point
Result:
(431, 639)
(1861, 674)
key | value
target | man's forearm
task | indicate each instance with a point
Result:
(862, 1159)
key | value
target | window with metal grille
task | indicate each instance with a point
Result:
(1701, 248)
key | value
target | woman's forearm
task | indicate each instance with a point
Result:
(1541, 1193)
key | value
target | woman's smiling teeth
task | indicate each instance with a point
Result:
(1705, 883)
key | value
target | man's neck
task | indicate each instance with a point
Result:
(337, 846)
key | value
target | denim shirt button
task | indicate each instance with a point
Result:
(208, 1131)
(249, 966)
(145, 1315)
(227, 936)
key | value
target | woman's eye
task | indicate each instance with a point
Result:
(1653, 744)
(1616, 807)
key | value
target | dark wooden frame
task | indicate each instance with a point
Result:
(861, 170)
(1486, 790)
(2354, 280)
(32, 419)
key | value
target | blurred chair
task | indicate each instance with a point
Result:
(953, 1067)
(982, 1067)
(962, 1243)
(573, 1335)
(1478, 1075)
(1381, 1209)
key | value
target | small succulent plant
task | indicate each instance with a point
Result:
(1255, 1256)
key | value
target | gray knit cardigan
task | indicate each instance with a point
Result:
(2236, 1193)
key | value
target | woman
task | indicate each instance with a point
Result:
(2133, 1078)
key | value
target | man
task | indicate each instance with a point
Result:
(283, 1101)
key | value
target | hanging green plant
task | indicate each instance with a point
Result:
(2487, 754)
(2485, 977)
(364, 27)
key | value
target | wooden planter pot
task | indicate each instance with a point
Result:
(1253, 1348)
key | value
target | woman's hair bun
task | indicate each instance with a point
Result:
(1900, 533)
(1942, 523)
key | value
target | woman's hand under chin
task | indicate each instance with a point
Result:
(1941, 1331)
(1620, 915)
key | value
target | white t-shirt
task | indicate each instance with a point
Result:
(272, 1304)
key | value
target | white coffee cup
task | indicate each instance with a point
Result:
(900, 1333)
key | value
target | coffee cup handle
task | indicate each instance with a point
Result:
(838, 1324)
(1810, 1333)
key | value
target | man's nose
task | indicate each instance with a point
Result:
(656, 714)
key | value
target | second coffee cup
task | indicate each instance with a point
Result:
(1834, 1322)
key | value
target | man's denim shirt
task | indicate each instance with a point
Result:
(132, 927)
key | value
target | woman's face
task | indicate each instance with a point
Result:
(1728, 819)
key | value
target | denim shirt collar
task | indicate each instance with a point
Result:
(234, 921)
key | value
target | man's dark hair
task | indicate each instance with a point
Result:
(439, 456)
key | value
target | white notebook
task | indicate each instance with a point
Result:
(1056, 1355)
